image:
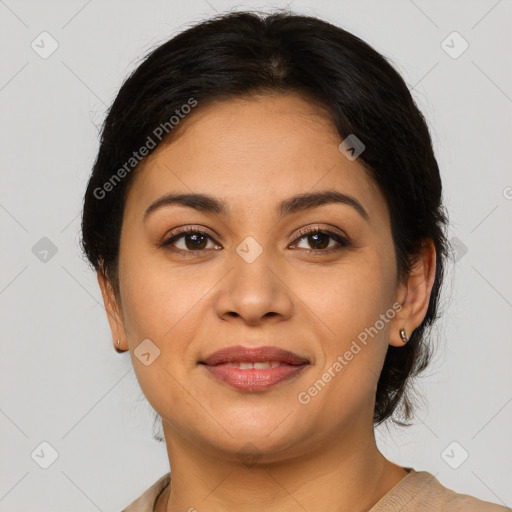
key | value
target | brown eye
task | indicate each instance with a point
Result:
(195, 241)
(321, 241)
(189, 240)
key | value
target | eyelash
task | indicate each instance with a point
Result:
(342, 241)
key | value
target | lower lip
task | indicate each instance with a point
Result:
(253, 379)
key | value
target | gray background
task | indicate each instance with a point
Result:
(60, 379)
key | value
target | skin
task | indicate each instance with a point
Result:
(253, 153)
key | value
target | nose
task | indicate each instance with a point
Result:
(255, 292)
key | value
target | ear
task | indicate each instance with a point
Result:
(113, 309)
(414, 294)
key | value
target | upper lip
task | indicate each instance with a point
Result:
(253, 355)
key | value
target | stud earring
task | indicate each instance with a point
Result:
(404, 337)
(117, 346)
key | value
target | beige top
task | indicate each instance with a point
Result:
(419, 491)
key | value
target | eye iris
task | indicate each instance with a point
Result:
(324, 240)
(198, 241)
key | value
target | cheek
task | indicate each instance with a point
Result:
(358, 311)
(161, 306)
(158, 299)
(358, 292)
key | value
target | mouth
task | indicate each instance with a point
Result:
(254, 369)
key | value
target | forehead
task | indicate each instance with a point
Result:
(251, 151)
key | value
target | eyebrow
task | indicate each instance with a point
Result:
(295, 204)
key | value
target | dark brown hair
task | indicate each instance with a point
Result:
(240, 53)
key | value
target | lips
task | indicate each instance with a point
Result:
(241, 354)
(253, 369)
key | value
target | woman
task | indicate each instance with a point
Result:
(265, 219)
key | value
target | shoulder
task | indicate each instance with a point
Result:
(463, 502)
(146, 501)
(420, 491)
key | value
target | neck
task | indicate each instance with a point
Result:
(346, 474)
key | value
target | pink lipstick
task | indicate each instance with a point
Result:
(254, 369)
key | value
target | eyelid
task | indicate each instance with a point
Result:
(189, 229)
(342, 240)
(170, 238)
(340, 237)
(331, 230)
(203, 230)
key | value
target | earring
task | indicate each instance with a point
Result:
(117, 346)
(404, 337)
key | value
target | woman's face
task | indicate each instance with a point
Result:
(256, 278)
